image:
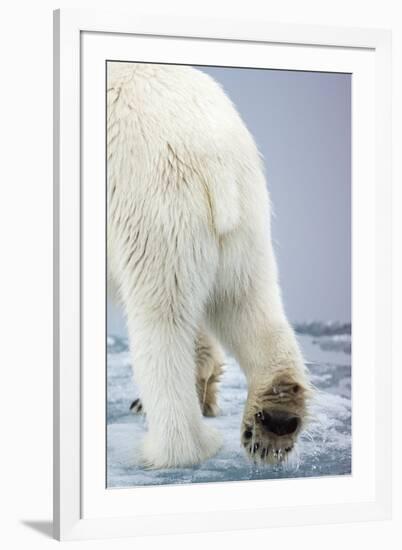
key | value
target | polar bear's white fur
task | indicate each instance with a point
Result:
(190, 252)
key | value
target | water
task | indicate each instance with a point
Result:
(324, 450)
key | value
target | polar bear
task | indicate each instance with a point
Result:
(190, 253)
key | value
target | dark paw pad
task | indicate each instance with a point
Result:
(278, 422)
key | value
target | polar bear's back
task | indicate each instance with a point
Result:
(178, 104)
(174, 124)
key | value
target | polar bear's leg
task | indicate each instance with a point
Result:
(276, 409)
(165, 278)
(253, 326)
(209, 359)
(165, 372)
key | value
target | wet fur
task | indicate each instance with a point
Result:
(209, 359)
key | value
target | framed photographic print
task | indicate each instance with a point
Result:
(222, 275)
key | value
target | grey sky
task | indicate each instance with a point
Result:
(301, 122)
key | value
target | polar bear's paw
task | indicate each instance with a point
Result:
(273, 419)
(179, 450)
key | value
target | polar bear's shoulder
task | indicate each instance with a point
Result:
(183, 112)
(174, 80)
(177, 99)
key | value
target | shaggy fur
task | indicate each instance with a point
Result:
(189, 247)
(209, 360)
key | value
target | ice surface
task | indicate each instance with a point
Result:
(324, 450)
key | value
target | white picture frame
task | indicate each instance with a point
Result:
(83, 507)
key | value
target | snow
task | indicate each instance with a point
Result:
(323, 450)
